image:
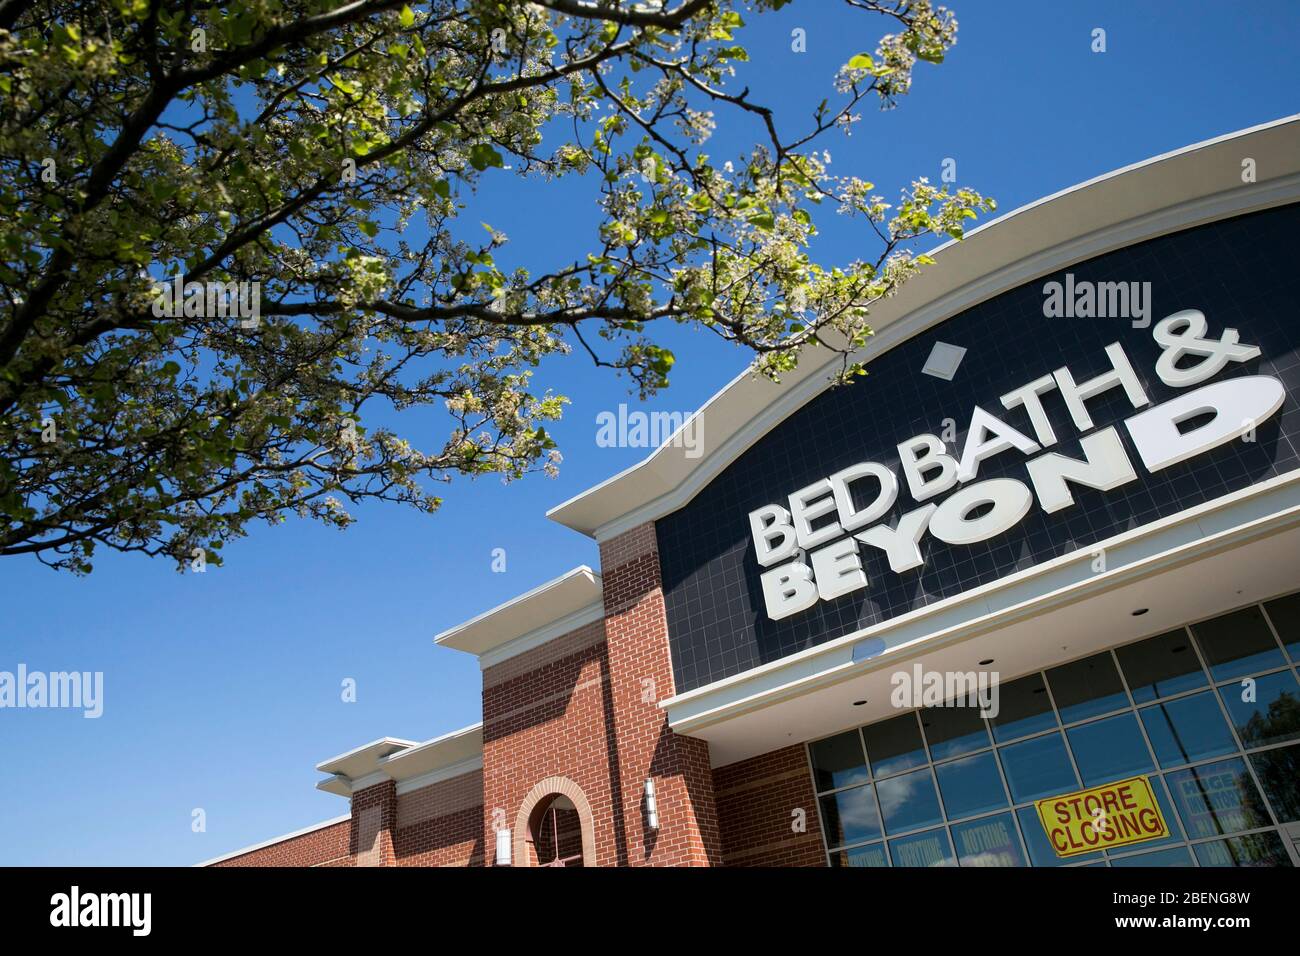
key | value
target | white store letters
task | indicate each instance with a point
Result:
(810, 558)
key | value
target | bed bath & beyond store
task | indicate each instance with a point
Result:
(1027, 594)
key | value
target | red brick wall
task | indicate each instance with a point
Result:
(328, 846)
(757, 799)
(437, 825)
(546, 713)
(374, 814)
(641, 675)
(585, 707)
(441, 824)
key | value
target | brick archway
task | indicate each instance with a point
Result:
(551, 787)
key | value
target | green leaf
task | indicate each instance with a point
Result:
(406, 18)
(861, 62)
(483, 155)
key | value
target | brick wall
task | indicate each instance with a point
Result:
(437, 825)
(584, 707)
(441, 824)
(328, 846)
(640, 676)
(757, 799)
(546, 713)
(374, 813)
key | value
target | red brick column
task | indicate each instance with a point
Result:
(640, 673)
(374, 816)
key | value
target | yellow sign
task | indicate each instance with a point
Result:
(1111, 815)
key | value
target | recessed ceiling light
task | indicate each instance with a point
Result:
(1140, 611)
(858, 703)
(986, 661)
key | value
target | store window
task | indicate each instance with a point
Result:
(1210, 713)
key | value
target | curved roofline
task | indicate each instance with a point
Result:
(1177, 190)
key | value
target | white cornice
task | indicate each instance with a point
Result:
(459, 769)
(542, 635)
(541, 610)
(449, 754)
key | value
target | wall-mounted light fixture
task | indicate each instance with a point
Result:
(503, 847)
(651, 808)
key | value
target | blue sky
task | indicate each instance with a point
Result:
(222, 690)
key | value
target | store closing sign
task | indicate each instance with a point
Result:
(811, 547)
(1114, 814)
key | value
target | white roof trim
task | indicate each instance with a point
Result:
(451, 771)
(571, 594)
(362, 759)
(1176, 190)
(411, 761)
(274, 840)
(542, 635)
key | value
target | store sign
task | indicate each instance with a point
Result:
(1115, 814)
(810, 544)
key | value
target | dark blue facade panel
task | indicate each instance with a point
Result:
(1240, 273)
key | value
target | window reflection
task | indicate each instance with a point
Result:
(837, 761)
(908, 802)
(1254, 849)
(1237, 644)
(1160, 666)
(970, 785)
(931, 848)
(1187, 730)
(1109, 749)
(952, 731)
(851, 816)
(1265, 710)
(1040, 848)
(1037, 768)
(989, 841)
(1024, 708)
(1087, 688)
(894, 745)
(1279, 774)
(1285, 615)
(1174, 856)
(1217, 798)
(871, 855)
